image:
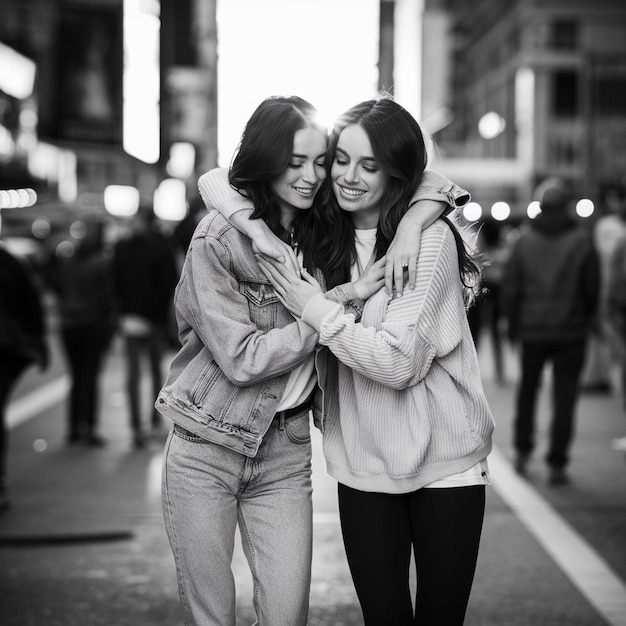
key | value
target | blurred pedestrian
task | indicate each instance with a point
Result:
(408, 427)
(486, 312)
(145, 275)
(608, 230)
(616, 313)
(551, 294)
(22, 341)
(84, 287)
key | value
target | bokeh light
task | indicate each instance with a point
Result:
(500, 211)
(472, 211)
(585, 207)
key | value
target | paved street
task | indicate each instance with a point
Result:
(84, 542)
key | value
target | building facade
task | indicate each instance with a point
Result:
(535, 88)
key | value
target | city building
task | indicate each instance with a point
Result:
(515, 91)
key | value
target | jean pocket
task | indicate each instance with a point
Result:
(298, 429)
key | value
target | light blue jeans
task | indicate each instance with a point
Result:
(209, 489)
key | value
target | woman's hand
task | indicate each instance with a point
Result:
(293, 291)
(371, 280)
(404, 249)
(264, 241)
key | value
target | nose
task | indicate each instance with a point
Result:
(310, 173)
(351, 175)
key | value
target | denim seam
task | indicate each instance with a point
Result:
(168, 504)
(252, 563)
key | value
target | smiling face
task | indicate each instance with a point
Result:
(358, 182)
(297, 185)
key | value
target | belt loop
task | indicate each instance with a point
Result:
(281, 420)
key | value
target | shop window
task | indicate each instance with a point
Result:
(564, 35)
(565, 98)
(611, 96)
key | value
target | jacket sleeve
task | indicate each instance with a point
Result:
(436, 186)
(210, 302)
(216, 193)
(345, 294)
(423, 324)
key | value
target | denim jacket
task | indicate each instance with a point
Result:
(238, 342)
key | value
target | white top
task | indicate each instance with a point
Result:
(301, 381)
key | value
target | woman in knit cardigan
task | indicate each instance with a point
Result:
(408, 427)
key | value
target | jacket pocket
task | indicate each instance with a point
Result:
(207, 380)
(263, 304)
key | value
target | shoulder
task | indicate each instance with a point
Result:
(213, 224)
(215, 232)
(438, 236)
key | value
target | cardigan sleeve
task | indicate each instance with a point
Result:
(216, 193)
(423, 324)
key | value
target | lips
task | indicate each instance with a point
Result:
(305, 191)
(350, 192)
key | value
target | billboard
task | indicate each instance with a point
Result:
(90, 66)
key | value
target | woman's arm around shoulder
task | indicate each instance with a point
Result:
(217, 193)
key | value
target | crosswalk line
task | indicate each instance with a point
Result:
(24, 408)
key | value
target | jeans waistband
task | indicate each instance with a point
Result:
(296, 410)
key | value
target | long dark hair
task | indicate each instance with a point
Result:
(400, 151)
(265, 150)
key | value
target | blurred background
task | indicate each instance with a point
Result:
(111, 109)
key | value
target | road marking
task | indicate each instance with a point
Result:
(37, 401)
(153, 479)
(581, 564)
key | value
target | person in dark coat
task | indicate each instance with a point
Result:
(22, 341)
(146, 274)
(550, 291)
(84, 287)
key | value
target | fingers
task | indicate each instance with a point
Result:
(398, 276)
(412, 272)
(281, 268)
(309, 278)
(389, 274)
(400, 273)
(273, 274)
(292, 261)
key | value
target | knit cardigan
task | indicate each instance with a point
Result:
(409, 407)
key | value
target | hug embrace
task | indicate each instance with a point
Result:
(325, 279)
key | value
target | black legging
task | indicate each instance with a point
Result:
(442, 524)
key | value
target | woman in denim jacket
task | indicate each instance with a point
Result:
(239, 391)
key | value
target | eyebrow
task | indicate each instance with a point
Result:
(294, 155)
(367, 158)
